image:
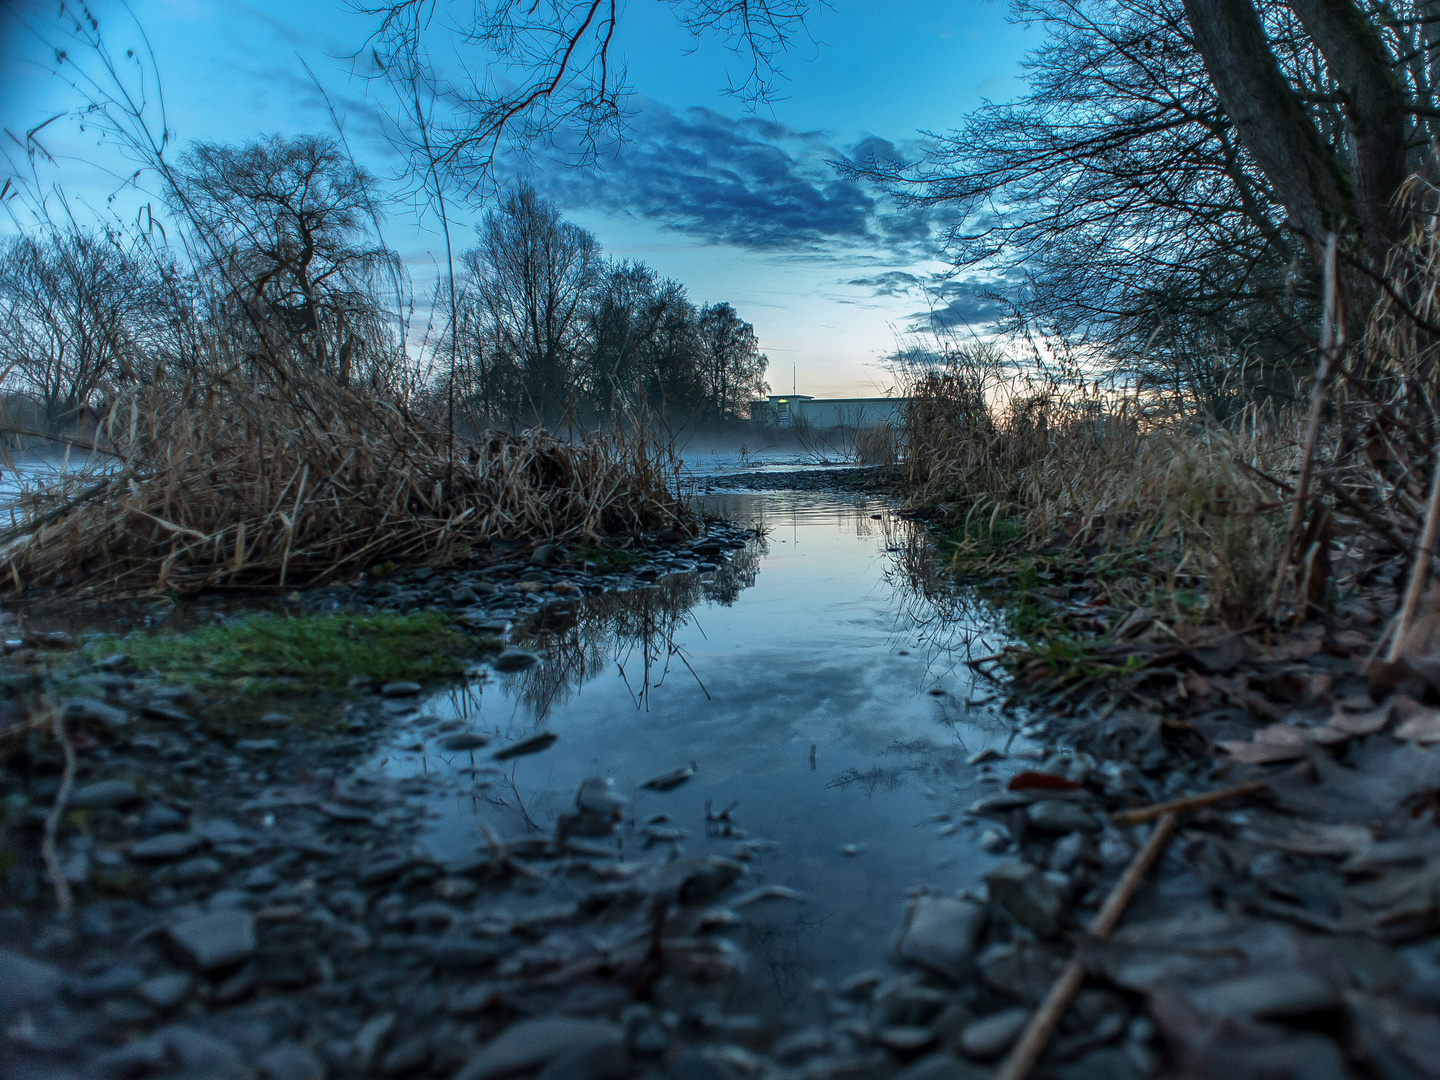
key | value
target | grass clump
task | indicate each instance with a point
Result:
(276, 654)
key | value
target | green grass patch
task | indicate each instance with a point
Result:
(608, 558)
(270, 654)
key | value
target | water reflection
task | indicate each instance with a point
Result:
(818, 684)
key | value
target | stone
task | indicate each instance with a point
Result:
(277, 719)
(200, 868)
(215, 941)
(161, 818)
(104, 795)
(165, 991)
(992, 1036)
(941, 1065)
(533, 1044)
(1027, 896)
(547, 555)
(290, 1061)
(463, 740)
(370, 1040)
(116, 980)
(401, 689)
(200, 1054)
(260, 878)
(512, 660)
(460, 954)
(76, 869)
(939, 933)
(257, 746)
(1268, 996)
(168, 713)
(1061, 816)
(95, 711)
(453, 888)
(166, 846)
(532, 745)
(409, 1056)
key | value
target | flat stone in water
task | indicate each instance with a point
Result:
(402, 689)
(166, 846)
(161, 818)
(216, 941)
(515, 660)
(463, 740)
(1060, 816)
(257, 746)
(992, 1036)
(533, 745)
(24, 981)
(104, 795)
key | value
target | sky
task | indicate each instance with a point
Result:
(736, 202)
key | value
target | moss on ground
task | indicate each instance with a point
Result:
(269, 654)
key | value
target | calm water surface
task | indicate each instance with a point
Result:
(817, 692)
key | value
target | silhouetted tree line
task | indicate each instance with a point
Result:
(283, 250)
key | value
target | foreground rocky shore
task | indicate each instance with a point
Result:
(250, 901)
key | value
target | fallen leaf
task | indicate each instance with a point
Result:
(1363, 723)
(1253, 753)
(1027, 781)
(1423, 727)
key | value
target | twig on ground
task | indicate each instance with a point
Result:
(63, 896)
(1189, 802)
(1420, 569)
(1042, 1025)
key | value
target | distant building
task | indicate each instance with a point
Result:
(796, 410)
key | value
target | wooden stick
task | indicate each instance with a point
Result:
(1190, 802)
(1042, 1025)
(1332, 344)
(48, 853)
(1420, 571)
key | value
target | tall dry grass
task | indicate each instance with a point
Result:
(282, 476)
(1039, 463)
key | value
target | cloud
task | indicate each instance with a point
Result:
(747, 182)
(890, 283)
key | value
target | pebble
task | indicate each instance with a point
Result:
(260, 878)
(257, 746)
(401, 689)
(95, 711)
(1288, 993)
(531, 1044)
(458, 954)
(200, 868)
(218, 940)
(166, 846)
(512, 660)
(160, 818)
(104, 795)
(277, 719)
(995, 840)
(165, 991)
(290, 1061)
(940, 933)
(463, 740)
(1030, 898)
(115, 980)
(1061, 816)
(992, 1036)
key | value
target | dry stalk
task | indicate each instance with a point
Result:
(48, 854)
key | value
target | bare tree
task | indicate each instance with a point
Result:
(532, 274)
(80, 312)
(732, 365)
(293, 218)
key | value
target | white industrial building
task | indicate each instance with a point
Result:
(804, 410)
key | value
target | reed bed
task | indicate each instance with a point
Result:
(1022, 463)
(234, 481)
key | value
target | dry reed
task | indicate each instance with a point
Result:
(234, 480)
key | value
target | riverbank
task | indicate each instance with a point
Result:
(542, 871)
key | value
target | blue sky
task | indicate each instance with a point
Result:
(739, 205)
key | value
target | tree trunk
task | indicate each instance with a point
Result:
(1271, 121)
(1375, 111)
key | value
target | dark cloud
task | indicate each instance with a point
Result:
(890, 283)
(748, 182)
